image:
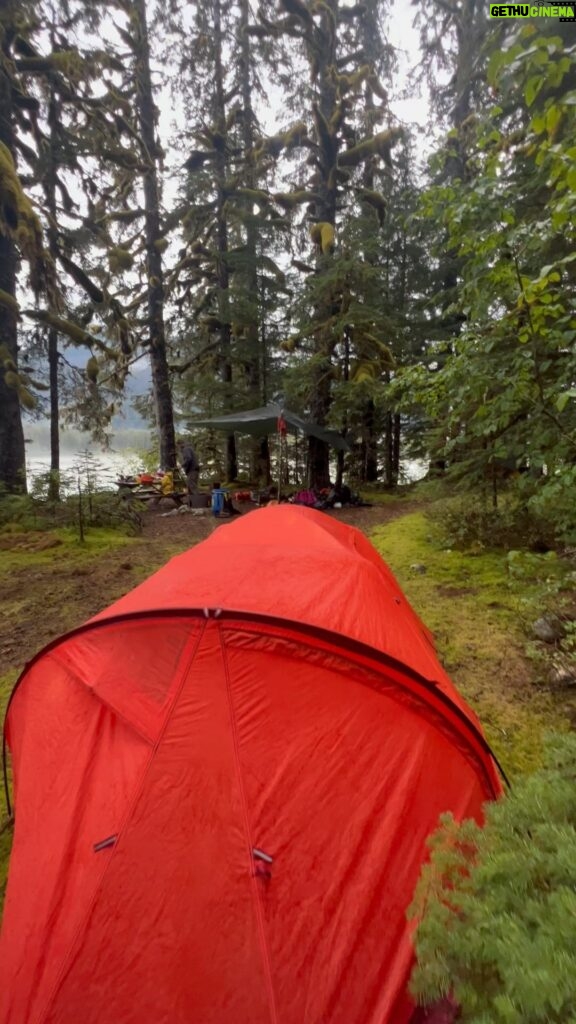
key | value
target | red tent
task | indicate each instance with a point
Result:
(223, 787)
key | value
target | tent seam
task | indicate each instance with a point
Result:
(344, 640)
(399, 693)
(187, 659)
(56, 656)
(256, 895)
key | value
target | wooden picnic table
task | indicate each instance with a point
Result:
(150, 492)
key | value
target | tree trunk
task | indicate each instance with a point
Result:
(470, 24)
(264, 461)
(50, 192)
(369, 36)
(340, 458)
(53, 360)
(369, 444)
(12, 450)
(396, 437)
(388, 451)
(222, 243)
(156, 329)
(324, 57)
(259, 453)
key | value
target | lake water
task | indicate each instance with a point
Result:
(124, 457)
(107, 465)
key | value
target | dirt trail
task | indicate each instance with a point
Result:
(40, 602)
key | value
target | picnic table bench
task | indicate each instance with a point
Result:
(149, 492)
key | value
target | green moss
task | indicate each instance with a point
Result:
(32, 549)
(476, 609)
(393, 498)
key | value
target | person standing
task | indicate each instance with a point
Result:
(191, 468)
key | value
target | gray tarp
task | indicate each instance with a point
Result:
(265, 421)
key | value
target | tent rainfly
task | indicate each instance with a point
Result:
(223, 788)
(265, 421)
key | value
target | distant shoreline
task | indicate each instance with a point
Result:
(37, 437)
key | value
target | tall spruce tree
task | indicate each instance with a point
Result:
(339, 146)
(61, 132)
(251, 332)
(232, 226)
(20, 233)
(157, 346)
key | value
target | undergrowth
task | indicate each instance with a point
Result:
(495, 906)
(81, 512)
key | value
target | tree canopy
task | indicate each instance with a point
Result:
(279, 232)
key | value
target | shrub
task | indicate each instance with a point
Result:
(16, 510)
(469, 522)
(496, 906)
(554, 503)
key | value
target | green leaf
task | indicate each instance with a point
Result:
(497, 60)
(571, 179)
(553, 118)
(532, 89)
(562, 401)
(559, 219)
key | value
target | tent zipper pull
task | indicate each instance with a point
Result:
(262, 859)
(105, 843)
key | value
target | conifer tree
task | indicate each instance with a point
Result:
(157, 345)
(54, 126)
(338, 148)
(19, 231)
(260, 461)
(229, 278)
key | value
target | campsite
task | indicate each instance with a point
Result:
(287, 528)
(471, 601)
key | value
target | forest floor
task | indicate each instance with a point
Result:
(479, 612)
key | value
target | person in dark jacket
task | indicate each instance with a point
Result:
(191, 468)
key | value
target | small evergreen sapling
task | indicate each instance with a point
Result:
(496, 906)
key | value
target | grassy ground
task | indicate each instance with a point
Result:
(479, 608)
(50, 583)
(475, 605)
